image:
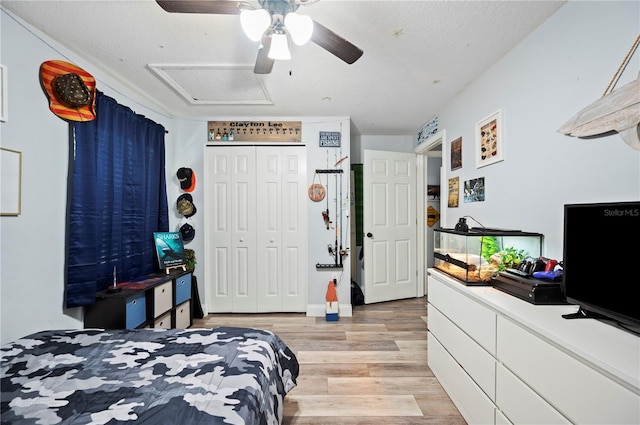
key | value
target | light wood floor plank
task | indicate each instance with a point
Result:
(412, 345)
(398, 370)
(384, 385)
(385, 335)
(359, 357)
(351, 405)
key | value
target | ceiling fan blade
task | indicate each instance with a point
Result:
(333, 43)
(220, 7)
(264, 64)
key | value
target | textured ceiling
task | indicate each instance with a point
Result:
(417, 56)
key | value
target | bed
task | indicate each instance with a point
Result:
(223, 375)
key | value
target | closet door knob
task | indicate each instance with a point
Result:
(369, 235)
(241, 239)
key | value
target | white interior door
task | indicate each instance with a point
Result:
(282, 229)
(389, 180)
(230, 234)
(255, 229)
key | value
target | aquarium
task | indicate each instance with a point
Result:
(475, 256)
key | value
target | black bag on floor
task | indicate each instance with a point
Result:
(196, 306)
(357, 297)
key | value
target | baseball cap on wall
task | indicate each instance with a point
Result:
(187, 179)
(184, 205)
(187, 229)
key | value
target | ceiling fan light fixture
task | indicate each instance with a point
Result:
(279, 46)
(255, 23)
(300, 27)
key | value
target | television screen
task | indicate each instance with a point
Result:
(601, 251)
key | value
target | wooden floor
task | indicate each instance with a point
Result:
(368, 369)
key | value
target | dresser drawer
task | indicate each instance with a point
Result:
(560, 379)
(477, 362)
(474, 405)
(135, 310)
(162, 298)
(163, 322)
(474, 319)
(520, 404)
(183, 288)
(183, 315)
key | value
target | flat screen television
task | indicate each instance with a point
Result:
(601, 252)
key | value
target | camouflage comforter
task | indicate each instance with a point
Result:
(149, 376)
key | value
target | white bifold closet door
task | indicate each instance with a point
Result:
(255, 229)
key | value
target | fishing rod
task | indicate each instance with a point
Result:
(339, 249)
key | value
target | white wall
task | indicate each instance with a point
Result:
(559, 69)
(398, 143)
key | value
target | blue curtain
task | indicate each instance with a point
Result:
(117, 199)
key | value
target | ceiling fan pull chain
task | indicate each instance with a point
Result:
(622, 66)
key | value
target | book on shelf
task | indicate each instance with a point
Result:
(169, 249)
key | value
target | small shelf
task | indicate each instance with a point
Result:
(329, 266)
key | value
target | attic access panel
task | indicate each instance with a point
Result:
(214, 84)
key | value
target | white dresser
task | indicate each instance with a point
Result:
(505, 361)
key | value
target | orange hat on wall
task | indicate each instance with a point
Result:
(187, 179)
(70, 89)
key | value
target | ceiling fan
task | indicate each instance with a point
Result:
(274, 27)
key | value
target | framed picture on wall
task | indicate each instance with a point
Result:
(474, 190)
(456, 154)
(11, 181)
(489, 141)
(3, 93)
(454, 190)
(428, 129)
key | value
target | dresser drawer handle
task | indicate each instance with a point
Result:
(163, 290)
(134, 302)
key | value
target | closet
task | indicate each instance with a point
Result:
(255, 228)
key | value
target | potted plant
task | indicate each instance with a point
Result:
(510, 258)
(190, 256)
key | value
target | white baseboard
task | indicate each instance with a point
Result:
(319, 310)
(316, 310)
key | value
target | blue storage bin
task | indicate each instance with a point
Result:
(136, 310)
(183, 288)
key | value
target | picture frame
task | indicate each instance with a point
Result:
(427, 130)
(454, 190)
(489, 140)
(474, 190)
(4, 102)
(456, 154)
(11, 182)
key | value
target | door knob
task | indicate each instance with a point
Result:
(370, 235)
